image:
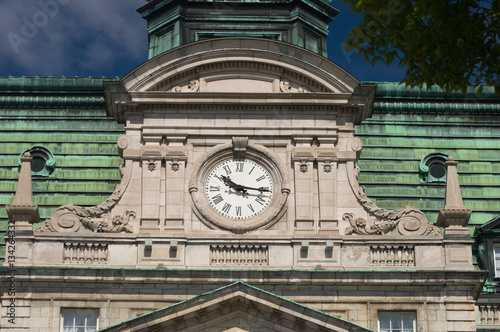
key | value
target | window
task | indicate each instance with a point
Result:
(221, 34)
(43, 161)
(432, 167)
(496, 253)
(312, 42)
(396, 322)
(79, 320)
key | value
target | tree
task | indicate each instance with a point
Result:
(449, 43)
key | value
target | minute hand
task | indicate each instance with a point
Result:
(261, 189)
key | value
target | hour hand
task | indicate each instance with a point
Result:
(227, 181)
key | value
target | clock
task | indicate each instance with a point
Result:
(239, 188)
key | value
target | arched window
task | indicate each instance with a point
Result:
(432, 167)
(43, 161)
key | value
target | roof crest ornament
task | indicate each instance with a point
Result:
(71, 218)
(407, 221)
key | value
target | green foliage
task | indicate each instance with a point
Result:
(449, 43)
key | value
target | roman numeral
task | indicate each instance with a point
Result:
(261, 178)
(214, 188)
(227, 169)
(217, 199)
(260, 200)
(251, 170)
(226, 207)
(251, 207)
(239, 167)
(238, 210)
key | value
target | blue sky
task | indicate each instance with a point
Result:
(109, 38)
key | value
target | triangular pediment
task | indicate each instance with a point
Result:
(236, 307)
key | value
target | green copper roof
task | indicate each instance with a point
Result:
(52, 92)
(408, 124)
(67, 116)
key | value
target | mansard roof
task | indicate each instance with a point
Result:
(237, 303)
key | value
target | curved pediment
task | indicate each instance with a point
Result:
(240, 65)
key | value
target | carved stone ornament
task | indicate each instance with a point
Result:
(240, 146)
(151, 166)
(175, 167)
(286, 86)
(193, 86)
(327, 168)
(303, 168)
(407, 221)
(70, 218)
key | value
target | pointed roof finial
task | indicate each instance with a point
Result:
(454, 212)
(22, 208)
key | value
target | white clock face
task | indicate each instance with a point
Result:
(239, 188)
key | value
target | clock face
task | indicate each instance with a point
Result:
(239, 188)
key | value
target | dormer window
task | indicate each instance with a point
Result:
(496, 254)
(43, 161)
(432, 168)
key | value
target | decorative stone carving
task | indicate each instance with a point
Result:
(407, 221)
(299, 324)
(151, 166)
(327, 168)
(117, 224)
(193, 86)
(179, 323)
(202, 316)
(276, 316)
(175, 166)
(253, 308)
(286, 86)
(240, 146)
(303, 168)
(225, 307)
(71, 218)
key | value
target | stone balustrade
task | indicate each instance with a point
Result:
(488, 315)
(85, 253)
(397, 255)
(255, 255)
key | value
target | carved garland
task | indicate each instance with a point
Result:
(408, 221)
(70, 218)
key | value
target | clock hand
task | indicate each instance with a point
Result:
(227, 181)
(261, 189)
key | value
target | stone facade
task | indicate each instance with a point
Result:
(199, 112)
